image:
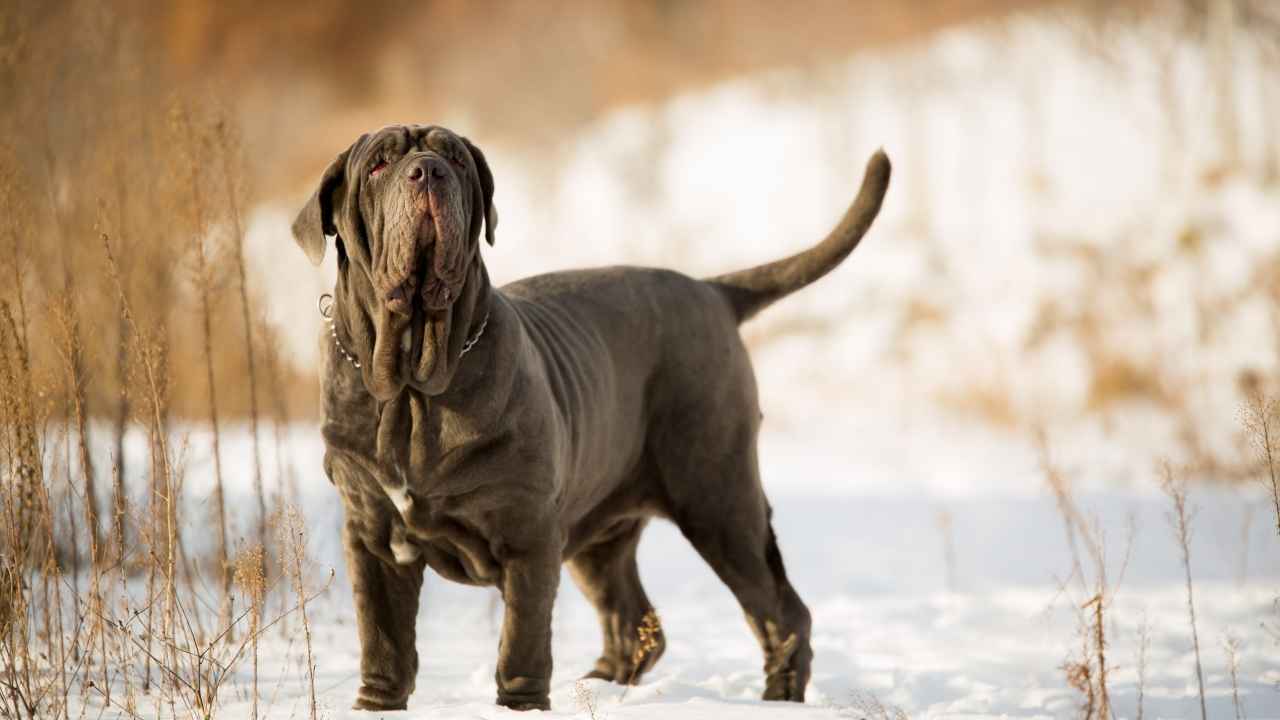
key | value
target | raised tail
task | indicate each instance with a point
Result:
(751, 290)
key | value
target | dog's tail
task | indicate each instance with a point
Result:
(749, 291)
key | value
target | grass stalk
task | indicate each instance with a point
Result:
(249, 576)
(295, 542)
(1232, 646)
(72, 351)
(204, 281)
(1180, 518)
(119, 497)
(1262, 424)
(227, 148)
(1144, 644)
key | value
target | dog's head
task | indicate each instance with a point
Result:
(405, 206)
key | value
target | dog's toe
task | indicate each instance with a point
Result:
(522, 705)
(782, 681)
(362, 703)
(783, 686)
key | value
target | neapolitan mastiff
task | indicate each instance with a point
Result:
(494, 433)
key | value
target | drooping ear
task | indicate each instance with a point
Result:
(486, 190)
(315, 220)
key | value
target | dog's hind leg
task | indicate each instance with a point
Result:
(606, 573)
(729, 525)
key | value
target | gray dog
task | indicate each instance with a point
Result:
(494, 433)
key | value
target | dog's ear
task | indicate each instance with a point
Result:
(486, 190)
(315, 220)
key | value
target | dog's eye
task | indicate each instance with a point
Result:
(382, 165)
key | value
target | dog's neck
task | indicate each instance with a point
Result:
(486, 328)
(412, 428)
(479, 374)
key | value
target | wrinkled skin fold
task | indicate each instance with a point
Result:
(593, 401)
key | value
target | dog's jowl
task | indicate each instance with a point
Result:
(492, 434)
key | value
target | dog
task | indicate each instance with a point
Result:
(493, 434)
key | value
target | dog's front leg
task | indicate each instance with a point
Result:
(529, 583)
(386, 599)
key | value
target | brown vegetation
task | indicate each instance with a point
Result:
(1180, 523)
(527, 71)
(1262, 426)
(99, 136)
(141, 639)
(1087, 672)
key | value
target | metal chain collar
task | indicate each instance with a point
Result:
(325, 305)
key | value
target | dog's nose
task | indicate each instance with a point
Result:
(423, 169)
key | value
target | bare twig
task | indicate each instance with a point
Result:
(1180, 522)
(1232, 646)
(227, 148)
(293, 529)
(1144, 643)
(1261, 419)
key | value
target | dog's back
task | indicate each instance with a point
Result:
(625, 350)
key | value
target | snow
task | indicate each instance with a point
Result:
(864, 548)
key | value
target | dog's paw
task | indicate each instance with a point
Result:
(782, 679)
(524, 702)
(364, 704)
(783, 686)
(525, 693)
(523, 706)
(371, 698)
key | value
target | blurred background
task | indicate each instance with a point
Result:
(1075, 277)
(1081, 231)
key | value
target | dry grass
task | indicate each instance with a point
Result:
(293, 538)
(866, 706)
(137, 648)
(1261, 420)
(586, 701)
(123, 222)
(1144, 644)
(131, 631)
(249, 576)
(648, 634)
(1231, 645)
(1180, 517)
(167, 186)
(1087, 672)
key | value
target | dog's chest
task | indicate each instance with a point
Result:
(418, 449)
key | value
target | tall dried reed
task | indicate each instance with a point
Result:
(1089, 672)
(1144, 644)
(1231, 645)
(1180, 517)
(228, 148)
(293, 538)
(1261, 419)
(252, 582)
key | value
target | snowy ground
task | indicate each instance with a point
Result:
(864, 547)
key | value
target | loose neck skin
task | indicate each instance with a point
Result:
(470, 375)
(481, 382)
